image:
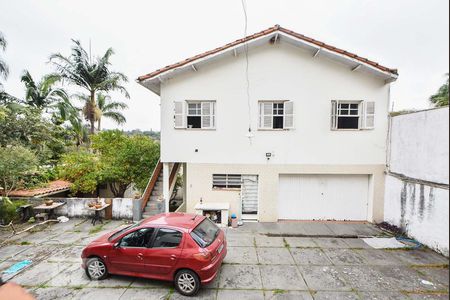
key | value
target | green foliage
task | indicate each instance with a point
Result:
(15, 163)
(25, 126)
(4, 70)
(155, 135)
(8, 209)
(82, 169)
(92, 75)
(125, 159)
(441, 97)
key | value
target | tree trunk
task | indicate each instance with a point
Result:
(92, 112)
(98, 124)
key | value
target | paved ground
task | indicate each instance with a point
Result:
(257, 266)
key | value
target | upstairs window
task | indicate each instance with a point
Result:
(276, 115)
(195, 114)
(227, 181)
(352, 115)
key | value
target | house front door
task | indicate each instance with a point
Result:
(249, 197)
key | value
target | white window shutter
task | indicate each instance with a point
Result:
(334, 118)
(369, 115)
(179, 116)
(266, 115)
(288, 115)
(208, 115)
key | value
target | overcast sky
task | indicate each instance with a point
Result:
(412, 36)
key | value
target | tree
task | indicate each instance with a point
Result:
(44, 95)
(125, 160)
(91, 75)
(441, 97)
(82, 169)
(4, 70)
(105, 108)
(25, 126)
(110, 109)
(15, 162)
(79, 130)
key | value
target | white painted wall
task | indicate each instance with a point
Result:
(422, 211)
(420, 145)
(419, 149)
(278, 71)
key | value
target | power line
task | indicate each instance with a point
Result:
(244, 8)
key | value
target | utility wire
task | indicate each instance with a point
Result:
(244, 8)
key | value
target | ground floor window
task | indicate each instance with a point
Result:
(230, 181)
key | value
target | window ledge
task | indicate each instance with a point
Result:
(275, 129)
(196, 129)
(226, 189)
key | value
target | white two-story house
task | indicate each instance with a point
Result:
(279, 126)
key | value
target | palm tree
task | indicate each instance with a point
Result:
(4, 71)
(108, 109)
(44, 95)
(79, 130)
(93, 76)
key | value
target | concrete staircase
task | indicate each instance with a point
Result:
(155, 204)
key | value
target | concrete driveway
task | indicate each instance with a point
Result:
(264, 261)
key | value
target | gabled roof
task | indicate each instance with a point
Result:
(152, 80)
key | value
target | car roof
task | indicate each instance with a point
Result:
(178, 220)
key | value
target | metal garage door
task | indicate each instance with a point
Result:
(323, 197)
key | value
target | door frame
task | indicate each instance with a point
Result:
(250, 217)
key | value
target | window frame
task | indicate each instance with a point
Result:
(150, 242)
(336, 114)
(227, 184)
(168, 228)
(272, 115)
(185, 114)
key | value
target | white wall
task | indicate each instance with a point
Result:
(420, 145)
(277, 72)
(422, 211)
(416, 192)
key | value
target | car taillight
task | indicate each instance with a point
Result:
(203, 256)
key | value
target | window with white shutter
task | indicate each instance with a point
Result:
(369, 115)
(352, 115)
(195, 114)
(179, 117)
(276, 115)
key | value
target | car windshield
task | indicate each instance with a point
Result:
(205, 233)
(120, 231)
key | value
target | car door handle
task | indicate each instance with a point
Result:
(173, 257)
(140, 256)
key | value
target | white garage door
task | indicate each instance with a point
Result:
(323, 197)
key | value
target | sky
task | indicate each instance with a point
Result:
(412, 36)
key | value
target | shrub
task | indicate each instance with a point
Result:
(8, 209)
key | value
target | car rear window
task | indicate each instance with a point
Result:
(205, 233)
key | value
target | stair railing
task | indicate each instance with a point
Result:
(151, 185)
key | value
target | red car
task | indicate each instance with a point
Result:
(184, 248)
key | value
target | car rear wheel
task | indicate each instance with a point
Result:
(187, 283)
(96, 269)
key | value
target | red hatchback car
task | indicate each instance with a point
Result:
(184, 248)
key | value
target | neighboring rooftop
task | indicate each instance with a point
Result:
(53, 187)
(273, 34)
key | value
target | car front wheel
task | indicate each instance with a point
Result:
(96, 269)
(187, 283)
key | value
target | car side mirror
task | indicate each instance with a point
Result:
(116, 245)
